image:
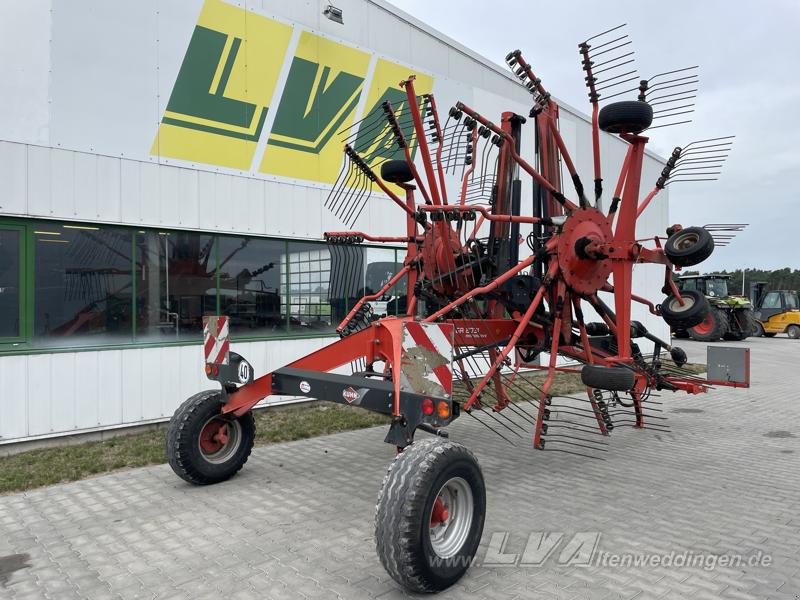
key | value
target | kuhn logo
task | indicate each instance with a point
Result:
(350, 395)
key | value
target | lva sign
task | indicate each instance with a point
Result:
(253, 96)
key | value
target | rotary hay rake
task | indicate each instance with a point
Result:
(483, 303)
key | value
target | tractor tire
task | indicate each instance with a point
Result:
(689, 246)
(793, 331)
(203, 445)
(694, 310)
(746, 323)
(618, 379)
(396, 171)
(710, 329)
(628, 116)
(430, 514)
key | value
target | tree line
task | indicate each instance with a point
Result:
(778, 279)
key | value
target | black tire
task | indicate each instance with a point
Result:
(628, 116)
(618, 379)
(745, 323)
(694, 309)
(793, 331)
(678, 356)
(710, 329)
(396, 171)
(203, 461)
(404, 514)
(689, 247)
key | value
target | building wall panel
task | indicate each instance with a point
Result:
(13, 180)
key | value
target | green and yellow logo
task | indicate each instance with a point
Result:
(219, 109)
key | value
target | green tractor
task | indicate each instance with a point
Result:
(730, 317)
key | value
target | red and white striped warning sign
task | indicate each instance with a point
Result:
(215, 340)
(433, 363)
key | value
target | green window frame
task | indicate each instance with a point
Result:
(26, 342)
(25, 283)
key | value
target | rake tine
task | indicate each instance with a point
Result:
(604, 44)
(668, 125)
(562, 439)
(558, 425)
(685, 112)
(611, 60)
(594, 37)
(581, 454)
(521, 413)
(600, 446)
(489, 427)
(492, 415)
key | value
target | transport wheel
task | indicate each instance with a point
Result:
(689, 246)
(710, 329)
(396, 171)
(693, 311)
(430, 513)
(618, 379)
(793, 331)
(628, 116)
(203, 445)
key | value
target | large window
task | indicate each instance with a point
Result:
(65, 285)
(175, 284)
(10, 283)
(82, 284)
(251, 289)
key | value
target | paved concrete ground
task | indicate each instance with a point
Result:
(297, 522)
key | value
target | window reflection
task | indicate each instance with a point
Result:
(82, 283)
(9, 283)
(311, 285)
(175, 284)
(250, 287)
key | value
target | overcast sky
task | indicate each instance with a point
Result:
(748, 87)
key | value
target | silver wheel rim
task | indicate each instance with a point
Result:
(450, 535)
(686, 240)
(229, 448)
(676, 307)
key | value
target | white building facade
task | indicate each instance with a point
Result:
(162, 160)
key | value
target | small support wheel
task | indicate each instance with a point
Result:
(430, 514)
(793, 331)
(203, 445)
(689, 247)
(627, 116)
(692, 312)
(396, 171)
(618, 379)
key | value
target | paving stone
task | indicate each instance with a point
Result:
(297, 522)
